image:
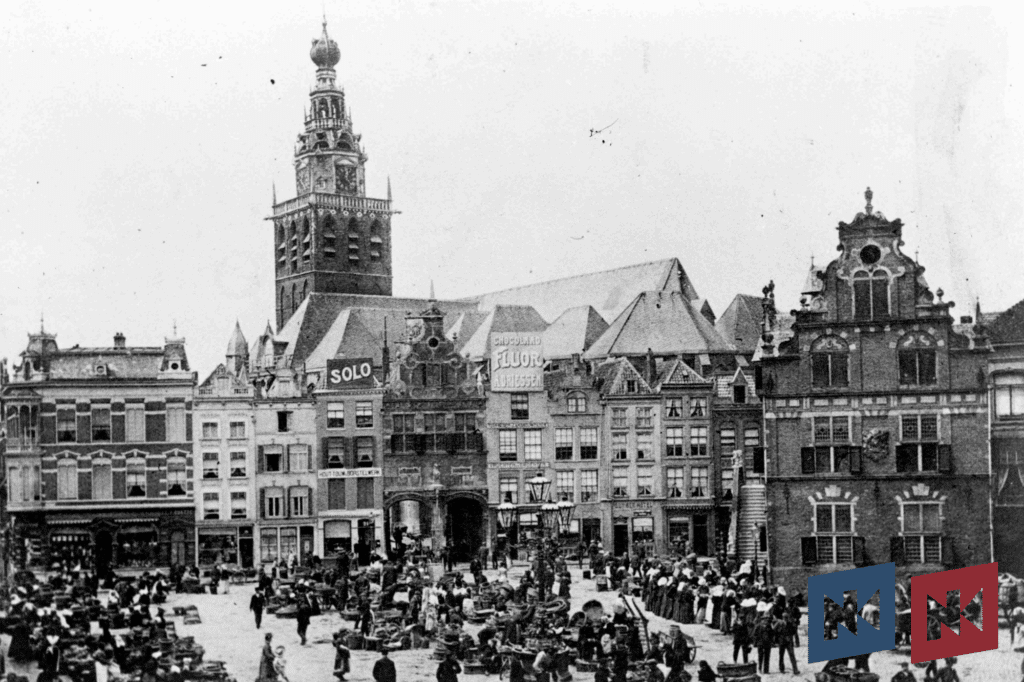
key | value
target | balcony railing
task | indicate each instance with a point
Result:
(334, 201)
(22, 444)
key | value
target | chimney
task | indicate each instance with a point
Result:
(119, 340)
(385, 357)
(575, 363)
(652, 368)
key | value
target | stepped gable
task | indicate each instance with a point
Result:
(573, 332)
(318, 316)
(740, 324)
(607, 291)
(664, 322)
(503, 318)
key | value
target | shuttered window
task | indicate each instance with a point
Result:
(67, 480)
(176, 424)
(135, 423)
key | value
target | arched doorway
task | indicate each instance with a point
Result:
(104, 551)
(465, 527)
(408, 525)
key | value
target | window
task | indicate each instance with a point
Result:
(67, 479)
(620, 449)
(176, 479)
(66, 427)
(644, 446)
(620, 483)
(364, 451)
(236, 430)
(508, 489)
(135, 479)
(726, 440)
(1009, 391)
(727, 477)
(364, 493)
(643, 533)
(917, 359)
(870, 296)
(273, 503)
(588, 486)
(698, 407)
(520, 406)
(268, 545)
(834, 531)
(101, 425)
(211, 505)
(210, 430)
(238, 467)
(176, 424)
(336, 493)
(674, 481)
(751, 437)
(619, 420)
(466, 436)
(699, 482)
(674, 442)
(434, 426)
(335, 453)
(335, 415)
(284, 422)
(298, 500)
(644, 483)
(922, 527)
(643, 417)
(830, 362)
(238, 506)
(211, 465)
(577, 402)
(272, 458)
(298, 458)
(831, 452)
(364, 414)
(102, 480)
(919, 449)
(698, 441)
(135, 423)
(630, 385)
(739, 393)
(563, 444)
(588, 443)
(674, 408)
(565, 485)
(507, 450)
(403, 439)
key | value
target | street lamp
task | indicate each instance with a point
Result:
(565, 511)
(539, 487)
(506, 511)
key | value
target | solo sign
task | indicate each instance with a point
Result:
(349, 373)
(517, 362)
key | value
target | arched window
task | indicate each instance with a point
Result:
(830, 362)
(295, 299)
(917, 359)
(871, 295)
(305, 290)
(577, 402)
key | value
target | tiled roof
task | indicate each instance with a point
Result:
(574, 331)
(664, 322)
(317, 317)
(1009, 326)
(615, 372)
(237, 345)
(677, 372)
(503, 318)
(608, 291)
(740, 324)
(462, 327)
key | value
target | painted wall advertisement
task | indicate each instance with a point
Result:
(350, 373)
(517, 362)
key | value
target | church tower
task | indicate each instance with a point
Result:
(331, 238)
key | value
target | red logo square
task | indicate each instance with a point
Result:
(968, 581)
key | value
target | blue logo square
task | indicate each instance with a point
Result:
(866, 581)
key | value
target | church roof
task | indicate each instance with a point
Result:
(740, 324)
(503, 318)
(608, 291)
(661, 321)
(574, 331)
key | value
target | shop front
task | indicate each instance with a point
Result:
(278, 543)
(232, 545)
(356, 532)
(688, 530)
(633, 528)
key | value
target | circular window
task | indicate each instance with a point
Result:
(870, 254)
(434, 342)
(174, 365)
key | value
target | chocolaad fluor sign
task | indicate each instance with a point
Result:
(517, 362)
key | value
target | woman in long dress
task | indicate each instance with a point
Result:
(279, 664)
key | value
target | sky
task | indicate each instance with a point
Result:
(139, 144)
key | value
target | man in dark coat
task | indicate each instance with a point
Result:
(302, 617)
(256, 606)
(448, 670)
(384, 668)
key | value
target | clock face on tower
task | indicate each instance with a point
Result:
(345, 179)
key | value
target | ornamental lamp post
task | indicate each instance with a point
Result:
(565, 511)
(539, 487)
